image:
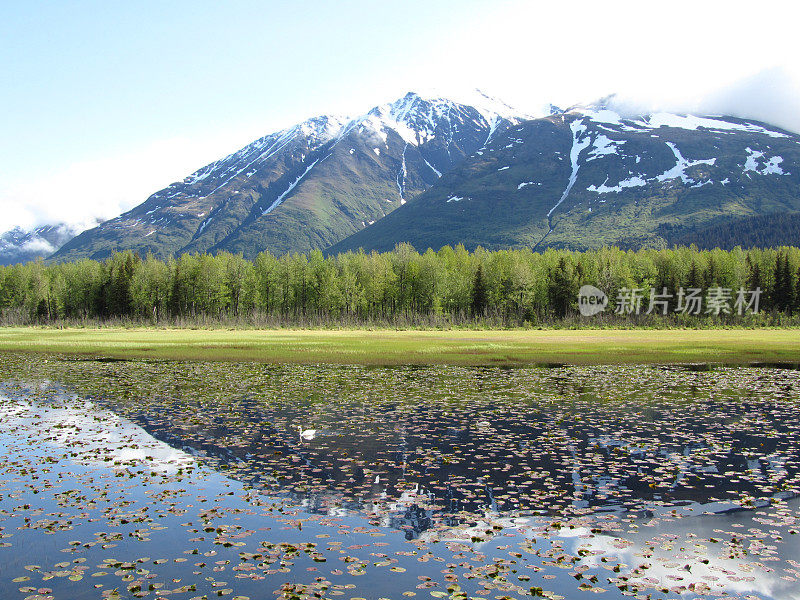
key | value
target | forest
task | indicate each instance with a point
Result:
(405, 288)
(760, 231)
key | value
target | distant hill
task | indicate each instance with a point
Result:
(19, 245)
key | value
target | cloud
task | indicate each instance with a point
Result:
(683, 56)
(37, 245)
(771, 95)
(99, 189)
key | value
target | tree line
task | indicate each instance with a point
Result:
(402, 287)
(760, 231)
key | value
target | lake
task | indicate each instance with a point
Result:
(137, 479)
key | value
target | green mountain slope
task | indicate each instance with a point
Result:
(306, 187)
(589, 178)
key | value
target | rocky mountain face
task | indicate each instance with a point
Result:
(590, 177)
(307, 187)
(20, 246)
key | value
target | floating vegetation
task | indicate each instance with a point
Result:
(199, 480)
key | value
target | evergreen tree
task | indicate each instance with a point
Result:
(693, 277)
(796, 292)
(781, 287)
(480, 299)
(563, 290)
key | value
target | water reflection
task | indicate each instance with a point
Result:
(743, 558)
(97, 435)
(525, 459)
(561, 480)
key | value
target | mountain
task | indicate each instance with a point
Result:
(589, 177)
(305, 187)
(19, 245)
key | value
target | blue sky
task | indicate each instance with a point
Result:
(105, 102)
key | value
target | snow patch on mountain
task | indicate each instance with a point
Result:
(603, 145)
(751, 163)
(578, 146)
(636, 181)
(288, 191)
(693, 122)
(322, 129)
(773, 166)
(200, 175)
(432, 168)
(679, 170)
(203, 226)
(371, 125)
(602, 116)
(770, 167)
(402, 174)
(657, 120)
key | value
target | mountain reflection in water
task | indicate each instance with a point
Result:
(686, 483)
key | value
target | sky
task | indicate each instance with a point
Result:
(103, 103)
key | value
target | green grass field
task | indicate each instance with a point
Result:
(388, 347)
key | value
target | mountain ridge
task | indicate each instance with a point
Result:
(304, 187)
(588, 177)
(433, 172)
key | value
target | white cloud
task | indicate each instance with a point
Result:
(102, 188)
(682, 55)
(771, 95)
(37, 245)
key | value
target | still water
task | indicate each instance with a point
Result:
(189, 480)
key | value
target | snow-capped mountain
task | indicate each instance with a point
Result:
(308, 186)
(432, 171)
(19, 245)
(589, 176)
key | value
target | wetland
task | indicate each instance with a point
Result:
(169, 479)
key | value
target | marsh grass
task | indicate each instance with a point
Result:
(396, 347)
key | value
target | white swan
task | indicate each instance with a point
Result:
(308, 434)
